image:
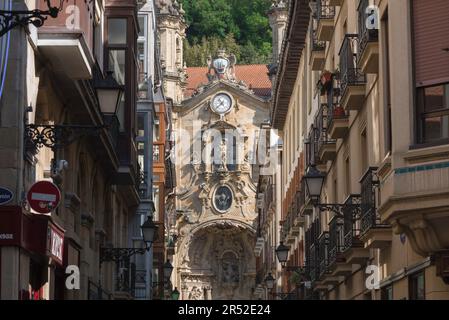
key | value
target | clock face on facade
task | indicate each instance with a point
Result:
(221, 103)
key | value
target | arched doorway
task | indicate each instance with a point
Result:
(217, 262)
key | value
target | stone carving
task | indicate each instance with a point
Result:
(196, 294)
(223, 66)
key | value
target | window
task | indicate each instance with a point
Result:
(347, 178)
(364, 149)
(387, 293)
(433, 113)
(141, 125)
(156, 194)
(117, 58)
(387, 75)
(417, 287)
(156, 129)
(117, 31)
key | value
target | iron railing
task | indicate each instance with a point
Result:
(312, 255)
(312, 147)
(323, 242)
(301, 196)
(324, 10)
(350, 75)
(317, 45)
(140, 290)
(336, 239)
(96, 292)
(351, 214)
(365, 35)
(321, 123)
(369, 217)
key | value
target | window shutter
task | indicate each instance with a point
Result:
(430, 32)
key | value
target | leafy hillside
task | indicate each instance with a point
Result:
(241, 26)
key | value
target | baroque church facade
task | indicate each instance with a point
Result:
(218, 111)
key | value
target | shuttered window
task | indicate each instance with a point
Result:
(431, 41)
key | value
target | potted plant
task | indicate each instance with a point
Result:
(339, 112)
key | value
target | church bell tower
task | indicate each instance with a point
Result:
(172, 30)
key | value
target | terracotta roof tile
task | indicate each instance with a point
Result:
(255, 76)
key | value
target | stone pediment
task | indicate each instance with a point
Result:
(243, 95)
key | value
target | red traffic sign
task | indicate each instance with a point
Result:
(43, 196)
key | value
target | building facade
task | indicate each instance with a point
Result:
(216, 220)
(57, 130)
(368, 110)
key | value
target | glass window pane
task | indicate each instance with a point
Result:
(434, 98)
(156, 129)
(116, 31)
(156, 154)
(142, 26)
(436, 128)
(117, 62)
(141, 125)
(156, 202)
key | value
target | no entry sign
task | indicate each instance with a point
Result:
(44, 197)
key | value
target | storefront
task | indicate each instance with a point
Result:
(34, 245)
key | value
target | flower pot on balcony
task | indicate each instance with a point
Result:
(339, 112)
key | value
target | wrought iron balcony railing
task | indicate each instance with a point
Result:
(317, 45)
(365, 35)
(350, 75)
(311, 146)
(351, 215)
(369, 217)
(96, 292)
(324, 10)
(336, 239)
(313, 263)
(321, 124)
(301, 196)
(323, 242)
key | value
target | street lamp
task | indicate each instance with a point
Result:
(168, 269)
(9, 19)
(314, 183)
(282, 253)
(269, 281)
(175, 294)
(149, 231)
(109, 94)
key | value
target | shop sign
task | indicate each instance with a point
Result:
(6, 195)
(56, 244)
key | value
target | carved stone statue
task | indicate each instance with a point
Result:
(224, 155)
(222, 65)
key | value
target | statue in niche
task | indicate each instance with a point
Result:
(224, 155)
(231, 270)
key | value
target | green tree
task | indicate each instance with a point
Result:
(240, 26)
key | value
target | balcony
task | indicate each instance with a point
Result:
(415, 200)
(373, 233)
(306, 207)
(337, 121)
(326, 146)
(337, 262)
(323, 242)
(317, 55)
(69, 37)
(368, 53)
(352, 78)
(353, 250)
(325, 20)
